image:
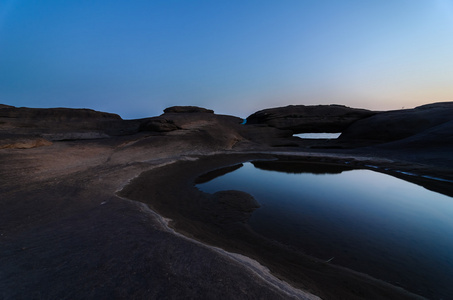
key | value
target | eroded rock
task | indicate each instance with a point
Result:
(314, 118)
(63, 123)
(187, 109)
(24, 143)
(401, 124)
(158, 125)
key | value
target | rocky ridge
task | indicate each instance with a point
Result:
(428, 125)
(312, 118)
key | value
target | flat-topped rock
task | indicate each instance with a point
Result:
(56, 114)
(187, 109)
(313, 118)
(63, 123)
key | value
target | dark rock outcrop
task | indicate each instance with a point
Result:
(316, 118)
(222, 128)
(187, 109)
(265, 135)
(199, 125)
(427, 124)
(183, 117)
(54, 114)
(158, 125)
(63, 123)
(22, 142)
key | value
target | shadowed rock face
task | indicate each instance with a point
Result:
(61, 123)
(423, 125)
(316, 118)
(55, 114)
(209, 128)
(182, 117)
(187, 109)
(36, 127)
(158, 125)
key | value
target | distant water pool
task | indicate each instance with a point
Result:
(367, 221)
(319, 135)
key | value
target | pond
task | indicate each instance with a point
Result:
(319, 135)
(367, 221)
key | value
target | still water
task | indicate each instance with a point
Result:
(322, 135)
(367, 221)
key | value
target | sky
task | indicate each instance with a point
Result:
(137, 57)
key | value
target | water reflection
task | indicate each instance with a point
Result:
(318, 135)
(299, 168)
(365, 220)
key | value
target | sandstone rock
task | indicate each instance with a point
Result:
(263, 134)
(72, 136)
(6, 106)
(55, 114)
(400, 124)
(187, 109)
(316, 118)
(60, 122)
(158, 125)
(23, 143)
(435, 139)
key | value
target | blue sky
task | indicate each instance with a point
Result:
(135, 58)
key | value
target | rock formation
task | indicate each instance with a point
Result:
(316, 118)
(427, 125)
(61, 123)
(187, 109)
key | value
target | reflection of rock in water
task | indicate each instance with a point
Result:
(216, 173)
(294, 167)
(225, 207)
(233, 206)
(320, 135)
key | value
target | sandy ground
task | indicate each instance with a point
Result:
(66, 232)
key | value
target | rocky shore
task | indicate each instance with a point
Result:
(94, 206)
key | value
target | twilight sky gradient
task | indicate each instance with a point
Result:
(137, 57)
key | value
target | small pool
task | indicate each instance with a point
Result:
(319, 135)
(367, 221)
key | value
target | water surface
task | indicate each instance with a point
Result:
(368, 221)
(318, 135)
